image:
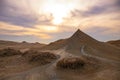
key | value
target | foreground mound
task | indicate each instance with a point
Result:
(43, 58)
(71, 63)
(78, 63)
(39, 57)
(9, 52)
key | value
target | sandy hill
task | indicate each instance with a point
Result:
(80, 40)
(114, 42)
(20, 45)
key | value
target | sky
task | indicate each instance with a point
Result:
(46, 21)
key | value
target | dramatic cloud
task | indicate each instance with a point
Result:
(98, 9)
(54, 19)
(8, 29)
(21, 13)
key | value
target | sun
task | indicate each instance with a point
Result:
(57, 20)
(58, 11)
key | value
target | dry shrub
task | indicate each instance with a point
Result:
(30, 53)
(9, 52)
(71, 63)
(39, 57)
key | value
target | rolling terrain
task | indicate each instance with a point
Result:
(114, 42)
(79, 57)
(20, 45)
(79, 39)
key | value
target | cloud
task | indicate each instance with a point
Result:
(4, 26)
(98, 9)
(27, 18)
(117, 3)
(9, 29)
(104, 30)
(104, 33)
(8, 14)
(12, 12)
(43, 32)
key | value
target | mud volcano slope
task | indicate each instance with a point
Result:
(74, 42)
(79, 39)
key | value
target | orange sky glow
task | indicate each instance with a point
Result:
(50, 20)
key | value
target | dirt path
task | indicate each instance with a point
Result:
(48, 72)
(45, 72)
(97, 57)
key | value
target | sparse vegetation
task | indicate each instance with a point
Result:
(97, 61)
(71, 63)
(42, 57)
(9, 52)
(30, 53)
(24, 42)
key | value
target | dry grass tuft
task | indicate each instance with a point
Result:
(9, 52)
(71, 63)
(39, 57)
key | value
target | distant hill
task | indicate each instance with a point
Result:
(114, 42)
(79, 39)
(20, 45)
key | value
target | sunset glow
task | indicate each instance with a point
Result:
(49, 29)
(57, 10)
(59, 39)
(46, 20)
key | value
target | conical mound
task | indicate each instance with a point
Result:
(81, 36)
(79, 39)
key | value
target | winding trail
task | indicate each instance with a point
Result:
(45, 72)
(97, 57)
(48, 72)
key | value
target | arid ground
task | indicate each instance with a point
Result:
(79, 57)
